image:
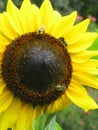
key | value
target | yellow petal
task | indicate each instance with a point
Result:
(54, 106)
(6, 27)
(47, 15)
(5, 100)
(76, 32)
(83, 43)
(83, 56)
(11, 8)
(59, 104)
(86, 79)
(36, 112)
(50, 108)
(43, 109)
(4, 40)
(62, 25)
(62, 102)
(14, 15)
(57, 16)
(9, 117)
(37, 17)
(24, 121)
(27, 18)
(87, 70)
(2, 86)
(89, 67)
(78, 95)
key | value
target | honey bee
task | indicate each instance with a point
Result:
(41, 30)
(63, 41)
(61, 87)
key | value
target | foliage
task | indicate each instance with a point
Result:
(46, 122)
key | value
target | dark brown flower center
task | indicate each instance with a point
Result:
(37, 68)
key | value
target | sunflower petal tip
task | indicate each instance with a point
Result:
(87, 21)
(25, 3)
(9, 2)
(75, 12)
(10, 5)
(94, 107)
(46, 2)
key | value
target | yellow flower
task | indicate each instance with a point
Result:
(45, 63)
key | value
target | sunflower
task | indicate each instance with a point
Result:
(44, 63)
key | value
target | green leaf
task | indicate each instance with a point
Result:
(52, 124)
(94, 45)
(58, 127)
(46, 122)
(42, 121)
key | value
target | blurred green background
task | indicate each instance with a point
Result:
(74, 118)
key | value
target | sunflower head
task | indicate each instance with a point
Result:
(45, 63)
(37, 68)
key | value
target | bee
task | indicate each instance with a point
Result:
(41, 30)
(61, 87)
(63, 41)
